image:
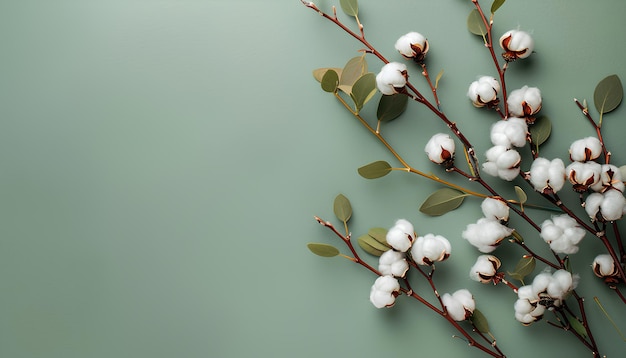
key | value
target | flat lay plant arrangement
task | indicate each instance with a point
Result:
(544, 286)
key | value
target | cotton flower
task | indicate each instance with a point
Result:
(524, 102)
(583, 175)
(384, 291)
(486, 234)
(401, 235)
(430, 248)
(484, 91)
(485, 268)
(562, 233)
(440, 148)
(393, 263)
(585, 149)
(516, 44)
(460, 305)
(392, 78)
(495, 209)
(607, 206)
(610, 178)
(412, 46)
(545, 292)
(509, 133)
(546, 174)
(502, 162)
(604, 266)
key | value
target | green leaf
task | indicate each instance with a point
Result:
(578, 327)
(342, 208)
(363, 90)
(379, 234)
(375, 170)
(442, 201)
(330, 81)
(540, 130)
(318, 73)
(352, 71)
(480, 321)
(475, 23)
(390, 107)
(521, 195)
(371, 246)
(524, 267)
(350, 7)
(439, 75)
(608, 94)
(496, 5)
(323, 250)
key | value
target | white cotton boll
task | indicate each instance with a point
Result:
(610, 177)
(382, 293)
(527, 293)
(561, 284)
(393, 263)
(610, 205)
(546, 174)
(524, 102)
(412, 46)
(430, 248)
(541, 282)
(401, 235)
(562, 233)
(485, 268)
(585, 149)
(582, 175)
(502, 162)
(387, 284)
(516, 44)
(460, 305)
(510, 132)
(484, 91)
(495, 209)
(527, 313)
(486, 234)
(604, 266)
(592, 204)
(391, 78)
(440, 148)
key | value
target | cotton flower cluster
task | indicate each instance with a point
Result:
(546, 292)
(516, 44)
(460, 305)
(384, 291)
(484, 92)
(392, 78)
(412, 46)
(502, 160)
(485, 268)
(440, 149)
(562, 233)
(487, 233)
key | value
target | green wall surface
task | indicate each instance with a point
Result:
(162, 161)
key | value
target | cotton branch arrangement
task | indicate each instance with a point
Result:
(588, 171)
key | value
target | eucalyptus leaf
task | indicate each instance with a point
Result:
(375, 170)
(608, 94)
(540, 131)
(351, 72)
(318, 73)
(330, 81)
(363, 90)
(370, 242)
(475, 23)
(442, 201)
(379, 234)
(365, 242)
(350, 7)
(496, 5)
(524, 267)
(391, 107)
(578, 327)
(521, 195)
(342, 208)
(480, 321)
(323, 250)
(439, 75)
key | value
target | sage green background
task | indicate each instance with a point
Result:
(162, 162)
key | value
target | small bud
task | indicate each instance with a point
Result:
(440, 148)
(516, 44)
(585, 149)
(484, 92)
(525, 102)
(412, 46)
(392, 78)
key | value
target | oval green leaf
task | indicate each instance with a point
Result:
(475, 23)
(342, 208)
(524, 267)
(323, 250)
(365, 242)
(442, 201)
(391, 107)
(496, 5)
(375, 170)
(480, 321)
(363, 90)
(540, 130)
(379, 234)
(521, 195)
(318, 73)
(608, 94)
(330, 81)
(351, 72)
(578, 327)
(350, 7)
